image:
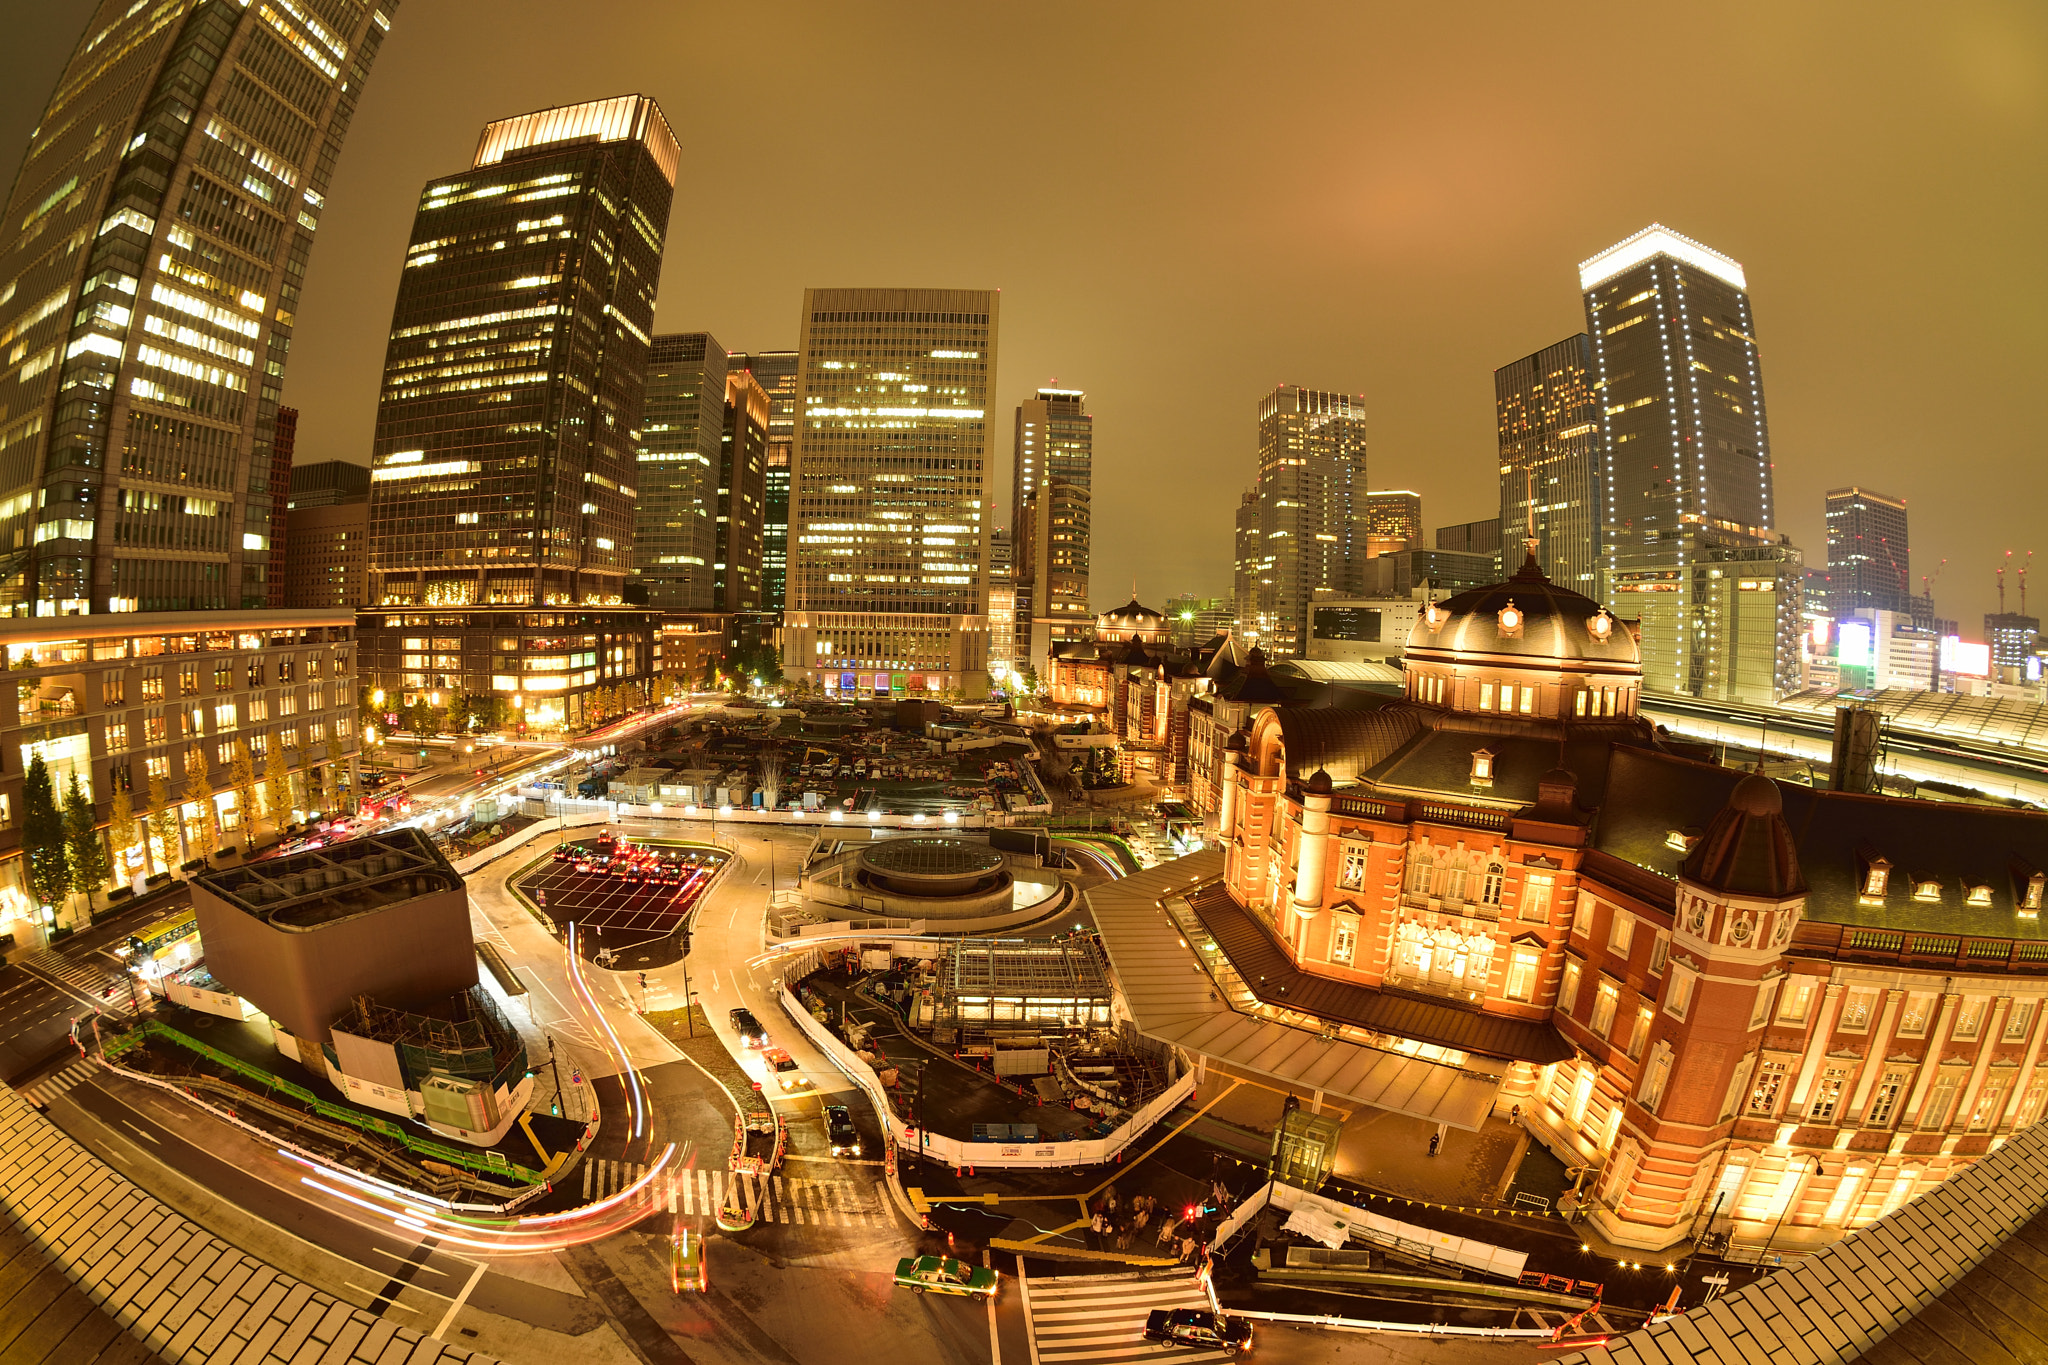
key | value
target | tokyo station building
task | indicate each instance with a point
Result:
(1733, 1002)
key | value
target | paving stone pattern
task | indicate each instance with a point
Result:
(1842, 1303)
(183, 1293)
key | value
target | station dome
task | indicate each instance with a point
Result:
(1131, 619)
(1526, 646)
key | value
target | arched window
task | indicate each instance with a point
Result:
(1420, 867)
(1490, 888)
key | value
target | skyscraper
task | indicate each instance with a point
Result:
(1002, 603)
(1683, 442)
(1868, 563)
(1550, 449)
(160, 227)
(675, 534)
(889, 502)
(1052, 566)
(1393, 522)
(503, 475)
(1055, 439)
(775, 371)
(742, 494)
(1305, 523)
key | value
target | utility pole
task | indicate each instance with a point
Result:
(1792, 1173)
(555, 1065)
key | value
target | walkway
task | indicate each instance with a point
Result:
(1100, 1320)
(187, 1295)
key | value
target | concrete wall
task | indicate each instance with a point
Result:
(304, 978)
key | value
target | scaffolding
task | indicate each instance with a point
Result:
(471, 1038)
(986, 986)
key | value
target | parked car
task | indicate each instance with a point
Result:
(944, 1275)
(1199, 1328)
(748, 1027)
(840, 1132)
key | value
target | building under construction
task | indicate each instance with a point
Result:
(981, 986)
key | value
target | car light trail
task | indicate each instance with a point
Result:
(618, 1049)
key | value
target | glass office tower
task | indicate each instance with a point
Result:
(775, 372)
(158, 236)
(675, 538)
(1549, 425)
(1869, 565)
(504, 476)
(1684, 445)
(889, 507)
(1306, 523)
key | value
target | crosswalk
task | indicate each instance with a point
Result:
(815, 1203)
(1102, 1321)
(94, 977)
(49, 1087)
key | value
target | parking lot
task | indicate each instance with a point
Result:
(630, 905)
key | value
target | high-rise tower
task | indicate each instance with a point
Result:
(1306, 523)
(1549, 424)
(742, 493)
(889, 506)
(1868, 563)
(1055, 439)
(160, 226)
(775, 372)
(1684, 447)
(504, 477)
(675, 536)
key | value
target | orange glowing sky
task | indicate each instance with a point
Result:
(1185, 203)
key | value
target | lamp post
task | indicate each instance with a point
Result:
(1790, 1170)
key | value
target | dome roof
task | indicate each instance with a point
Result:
(1749, 848)
(1528, 617)
(1129, 617)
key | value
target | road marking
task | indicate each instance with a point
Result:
(139, 1133)
(995, 1341)
(403, 1260)
(460, 1299)
(376, 1296)
(1024, 1295)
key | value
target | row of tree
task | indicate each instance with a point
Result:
(61, 844)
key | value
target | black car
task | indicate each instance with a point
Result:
(747, 1027)
(840, 1132)
(1198, 1327)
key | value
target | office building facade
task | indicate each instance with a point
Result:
(742, 494)
(327, 554)
(1054, 439)
(682, 434)
(889, 505)
(1684, 443)
(159, 230)
(1305, 523)
(504, 471)
(327, 482)
(1547, 412)
(1868, 562)
(1393, 521)
(1051, 597)
(775, 372)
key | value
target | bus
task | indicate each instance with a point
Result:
(169, 945)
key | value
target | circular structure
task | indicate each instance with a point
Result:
(930, 867)
(1526, 618)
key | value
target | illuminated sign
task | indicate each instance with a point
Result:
(1964, 657)
(847, 682)
(1818, 632)
(1852, 644)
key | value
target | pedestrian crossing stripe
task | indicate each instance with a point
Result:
(699, 1192)
(1102, 1322)
(87, 978)
(48, 1088)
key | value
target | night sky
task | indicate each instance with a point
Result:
(1186, 203)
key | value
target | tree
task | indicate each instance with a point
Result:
(771, 779)
(199, 792)
(419, 717)
(90, 863)
(42, 837)
(163, 821)
(242, 776)
(277, 785)
(121, 832)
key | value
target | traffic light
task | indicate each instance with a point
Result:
(643, 981)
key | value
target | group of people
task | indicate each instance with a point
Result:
(1118, 1224)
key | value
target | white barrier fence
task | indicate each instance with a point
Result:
(1365, 1226)
(953, 1151)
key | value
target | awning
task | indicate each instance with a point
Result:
(1171, 999)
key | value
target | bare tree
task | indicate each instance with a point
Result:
(771, 779)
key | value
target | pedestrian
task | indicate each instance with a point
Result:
(1096, 1226)
(1515, 1114)
(1435, 1139)
(1187, 1249)
(1167, 1228)
(1142, 1217)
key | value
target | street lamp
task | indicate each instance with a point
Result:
(1790, 1172)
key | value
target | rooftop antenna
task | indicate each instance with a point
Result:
(2001, 583)
(1529, 539)
(2025, 564)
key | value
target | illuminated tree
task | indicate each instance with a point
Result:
(83, 847)
(42, 837)
(163, 820)
(242, 777)
(121, 831)
(199, 792)
(277, 785)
